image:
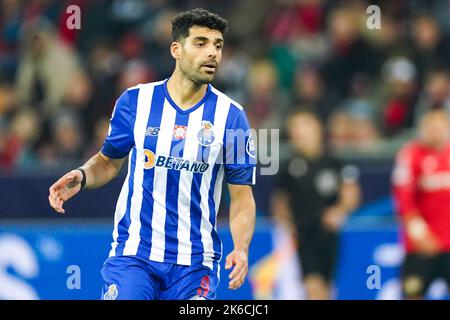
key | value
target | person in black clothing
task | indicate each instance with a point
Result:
(315, 193)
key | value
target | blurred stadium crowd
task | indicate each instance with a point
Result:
(58, 86)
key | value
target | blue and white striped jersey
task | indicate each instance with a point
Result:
(167, 208)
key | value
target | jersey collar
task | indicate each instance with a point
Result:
(185, 111)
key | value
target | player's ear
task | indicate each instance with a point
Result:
(175, 50)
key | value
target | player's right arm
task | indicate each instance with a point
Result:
(99, 170)
(280, 204)
(405, 188)
(281, 211)
(106, 164)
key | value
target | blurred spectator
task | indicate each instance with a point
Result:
(10, 20)
(264, 102)
(78, 92)
(9, 147)
(134, 72)
(309, 91)
(353, 125)
(233, 70)
(158, 36)
(103, 67)
(45, 67)
(432, 48)
(353, 133)
(78, 99)
(100, 133)
(316, 193)
(388, 40)
(340, 127)
(26, 129)
(17, 140)
(294, 29)
(363, 84)
(436, 93)
(399, 75)
(8, 100)
(346, 44)
(66, 145)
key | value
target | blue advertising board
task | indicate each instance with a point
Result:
(63, 261)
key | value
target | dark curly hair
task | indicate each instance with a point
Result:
(183, 21)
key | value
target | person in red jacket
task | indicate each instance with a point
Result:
(421, 187)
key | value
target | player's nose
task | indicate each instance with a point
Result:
(212, 52)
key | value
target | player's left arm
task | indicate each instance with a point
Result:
(348, 200)
(242, 225)
(349, 196)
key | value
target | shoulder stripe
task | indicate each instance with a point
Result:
(146, 85)
(223, 95)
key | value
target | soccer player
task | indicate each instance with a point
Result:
(315, 194)
(421, 185)
(182, 138)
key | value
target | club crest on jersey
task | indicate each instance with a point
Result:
(206, 134)
(179, 132)
(112, 293)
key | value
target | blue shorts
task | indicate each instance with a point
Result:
(134, 278)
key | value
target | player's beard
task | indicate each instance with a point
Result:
(197, 76)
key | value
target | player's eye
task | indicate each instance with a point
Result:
(219, 47)
(200, 44)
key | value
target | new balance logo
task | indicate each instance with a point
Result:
(152, 131)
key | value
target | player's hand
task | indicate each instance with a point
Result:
(423, 239)
(430, 247)
(334, 218)
(238, 259)
(64, 189)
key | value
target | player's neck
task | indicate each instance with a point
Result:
(438, 146)
(184, 92)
